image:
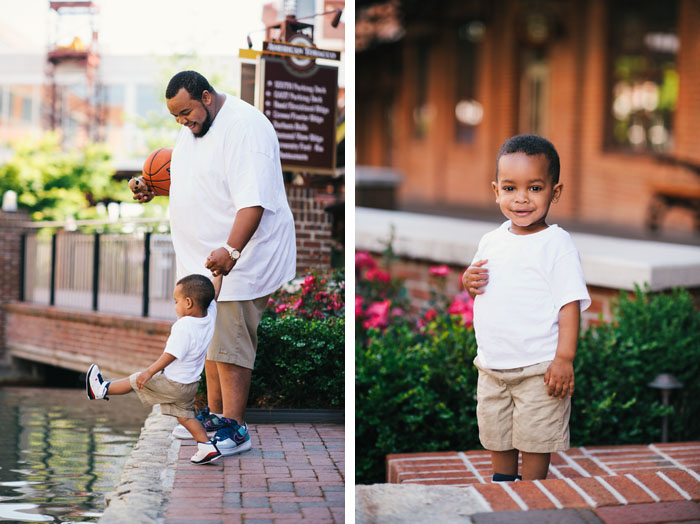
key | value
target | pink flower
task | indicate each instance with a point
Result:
(358, 306)
(364, 260)
(397, 312)
(463, 305)
(281, 308)
(377, 275)
(378, 313)
(431, 314)
(307, 284)
(297, 303)
(440, 271)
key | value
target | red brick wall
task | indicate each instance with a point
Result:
(120, 345)
(10, 265)
(313, 228)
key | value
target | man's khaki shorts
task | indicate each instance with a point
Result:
(515, 411)
(175, 399)
(236, 333)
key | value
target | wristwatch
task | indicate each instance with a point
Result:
(232, 252)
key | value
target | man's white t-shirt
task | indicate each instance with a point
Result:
(516, 319)
(235, 165)
(188, 341)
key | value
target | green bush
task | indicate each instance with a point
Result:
(650, 334)
(413, 392)
(300, 363)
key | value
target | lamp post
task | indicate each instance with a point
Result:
(665, 382)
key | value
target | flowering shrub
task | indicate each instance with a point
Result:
(381, 299)
(319, 295)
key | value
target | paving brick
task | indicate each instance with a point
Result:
(531, 495)
(632, 493)
(562, 516)
(564, 493)
(595, 490)
(662, 489)
(650, 513)
(497, 498)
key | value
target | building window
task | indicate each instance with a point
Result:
(26, 109)
(644, 46)
(468, 111)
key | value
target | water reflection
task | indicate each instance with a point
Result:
(60, 453)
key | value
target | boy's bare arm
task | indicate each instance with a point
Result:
(158, 365)
(560, 374)
(475, 278)
(217, 285)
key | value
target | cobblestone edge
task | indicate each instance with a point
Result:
(148, 475)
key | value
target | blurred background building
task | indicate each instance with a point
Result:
(613, 84)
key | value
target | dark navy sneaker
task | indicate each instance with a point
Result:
(232, 438)
(211, 424)
(95, 385)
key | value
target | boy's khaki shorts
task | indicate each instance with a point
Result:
(175, 398)
(236, 333)
(515, 411)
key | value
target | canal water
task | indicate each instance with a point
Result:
(60, 453)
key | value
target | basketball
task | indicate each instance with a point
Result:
(156, 171)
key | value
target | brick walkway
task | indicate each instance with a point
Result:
(294, 473)
(613, 485)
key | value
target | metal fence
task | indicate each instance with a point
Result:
(125, 273)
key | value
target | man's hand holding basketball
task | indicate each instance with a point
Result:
(141, 191)
(475, 278)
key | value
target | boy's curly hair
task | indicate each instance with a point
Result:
(532, 145)
(199, 288)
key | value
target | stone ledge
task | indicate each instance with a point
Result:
(610, 262)
(148, 476)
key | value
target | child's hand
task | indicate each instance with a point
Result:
(143, 377)
(475, 278)
(560, 378)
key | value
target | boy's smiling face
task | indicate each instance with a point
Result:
(524, 191)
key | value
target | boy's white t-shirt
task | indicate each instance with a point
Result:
(516, 319)
(188, 341)
(236, 164)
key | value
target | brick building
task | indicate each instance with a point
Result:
(614, 85)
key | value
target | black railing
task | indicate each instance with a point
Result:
(124, 268)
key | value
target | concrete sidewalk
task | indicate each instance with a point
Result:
(294, 473)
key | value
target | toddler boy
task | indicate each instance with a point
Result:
(529, 290)
(172, 380)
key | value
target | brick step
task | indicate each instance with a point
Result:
(578, 478)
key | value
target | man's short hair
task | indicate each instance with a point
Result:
(199, 288)
(532, 145)
(194, 83)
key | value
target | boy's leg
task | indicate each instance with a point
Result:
(535, 465)
(195, 427)
(505, 462)
(119, 387)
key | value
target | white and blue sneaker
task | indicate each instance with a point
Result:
(95, 385)
(206, 452)
(232, 438)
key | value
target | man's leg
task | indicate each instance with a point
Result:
(234, 385)
(214, 400)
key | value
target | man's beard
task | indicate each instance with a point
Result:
(205, 125)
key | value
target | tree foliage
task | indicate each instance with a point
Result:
(52, 184)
